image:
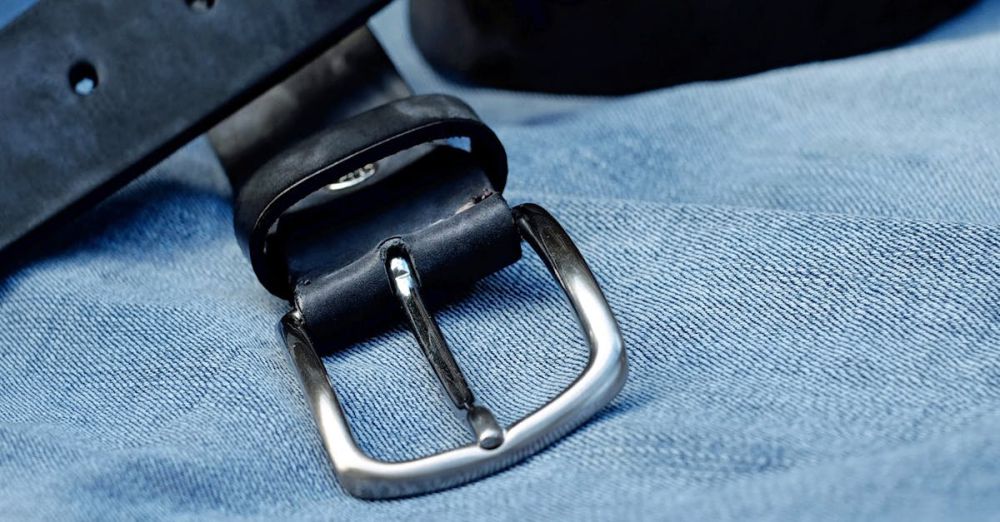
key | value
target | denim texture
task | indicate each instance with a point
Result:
(805, 264)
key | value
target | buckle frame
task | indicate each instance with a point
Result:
(496, 448)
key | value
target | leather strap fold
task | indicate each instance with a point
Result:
(152, 76)
(342, 149)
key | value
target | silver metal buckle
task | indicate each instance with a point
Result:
(495, 448)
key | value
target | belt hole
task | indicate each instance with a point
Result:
(200, 5)
(83, 78)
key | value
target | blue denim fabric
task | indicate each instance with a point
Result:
(805, 264)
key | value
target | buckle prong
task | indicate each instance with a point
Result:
(484, 425)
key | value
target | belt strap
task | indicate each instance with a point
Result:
(348, 147)
(378, 183)
(101, 90)
(333, 172)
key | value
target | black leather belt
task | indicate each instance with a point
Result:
(357, 202)
(99, 91)
(380, 215)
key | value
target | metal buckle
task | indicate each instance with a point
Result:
(495, 448)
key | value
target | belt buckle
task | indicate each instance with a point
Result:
(495, 448)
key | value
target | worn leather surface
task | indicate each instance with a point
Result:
(439, 203)
(326, 249)
(441, 210)
(165, 73)
(349, 78)
(299, 171)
